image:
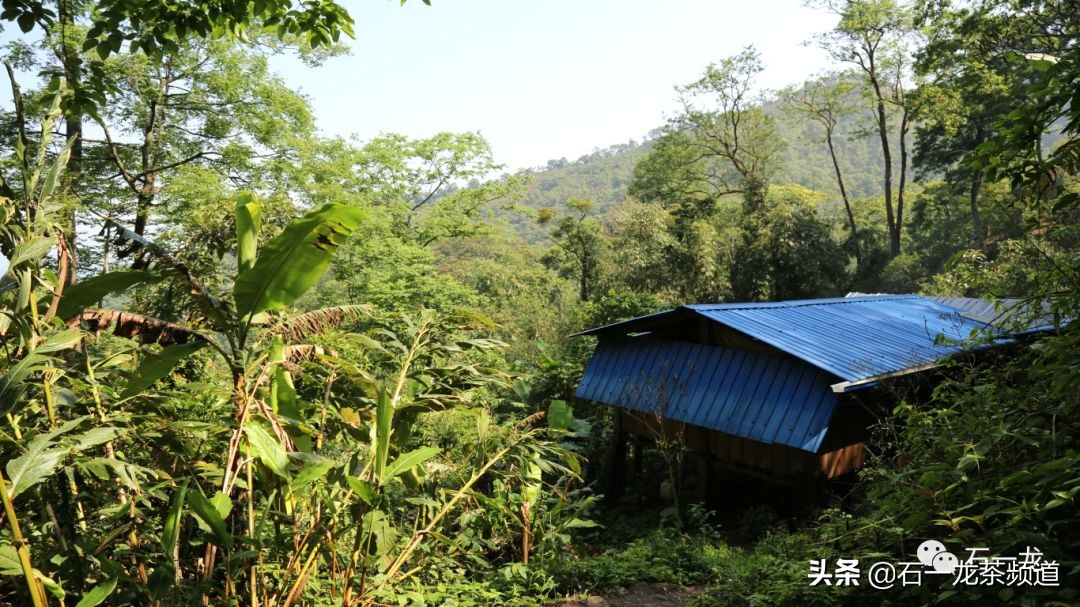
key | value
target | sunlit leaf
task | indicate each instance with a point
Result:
(248, 223)
(98, 594)
(39, 462)
(559, 415)
(90, 291)
(155, 367)
(292, 262)
(208, 513)
(363, 489)
(408, 461)
(268, 449)
(170, 531)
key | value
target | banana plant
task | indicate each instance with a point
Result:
(247, 328)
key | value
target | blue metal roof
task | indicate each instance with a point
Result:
(1007, 313)
(854, 338)
(762, 396)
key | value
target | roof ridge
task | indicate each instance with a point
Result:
(798, 303)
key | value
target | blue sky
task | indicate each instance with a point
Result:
(542, 79)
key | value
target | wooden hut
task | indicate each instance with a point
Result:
(770, 389)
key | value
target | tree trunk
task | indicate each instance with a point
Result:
(149, 151)
(978, 239)
(844, 195)
(142, 213)
(886, 152)
(976, 221)
(894, 239)
(74, 170)
(585, 273)
(72, 67)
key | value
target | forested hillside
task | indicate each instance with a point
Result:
(602, 176)
(605, 175)
(245, 363)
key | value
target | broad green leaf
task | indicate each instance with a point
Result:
(408, 461)
(26, 288)
(282, 390)
(126, 473)
(315, 469)
(50, 584)
(380, 433)
(559, 415)
(530, 491)
(376, 522)
(39, 462)
(155, 367)
(292, 262)
(64, 340)
(52, 179)
(63, 428)
(170, 531)
(523, 390)
(364, 490)
(10, 383)
(248, 224)
(95, 437)
(28, 250)
(968, 461)
(208, 514)
(92, 290)
(222, 504)
(98, 594)
(267, 448)
(9, 560)
(483, 423)
(350, 416)
(285, 403)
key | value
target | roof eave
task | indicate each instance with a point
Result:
(628, 323)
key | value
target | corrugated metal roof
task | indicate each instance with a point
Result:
(854, 338)
(974, 308)
(1007, 313)
(762, 396)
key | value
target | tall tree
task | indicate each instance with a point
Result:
(643, 247)
(875, 36)
(826, 100)
(431, 187)
(208, 103)
(970, 84)
(580, 245)
(785, 250)
(81, 35)
(721, 142)
(163, 26)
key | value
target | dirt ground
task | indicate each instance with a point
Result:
(639, 595)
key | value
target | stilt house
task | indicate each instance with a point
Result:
(769, 388)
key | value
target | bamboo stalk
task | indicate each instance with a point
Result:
(37, 591)
(255, 567)
(301, 581)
